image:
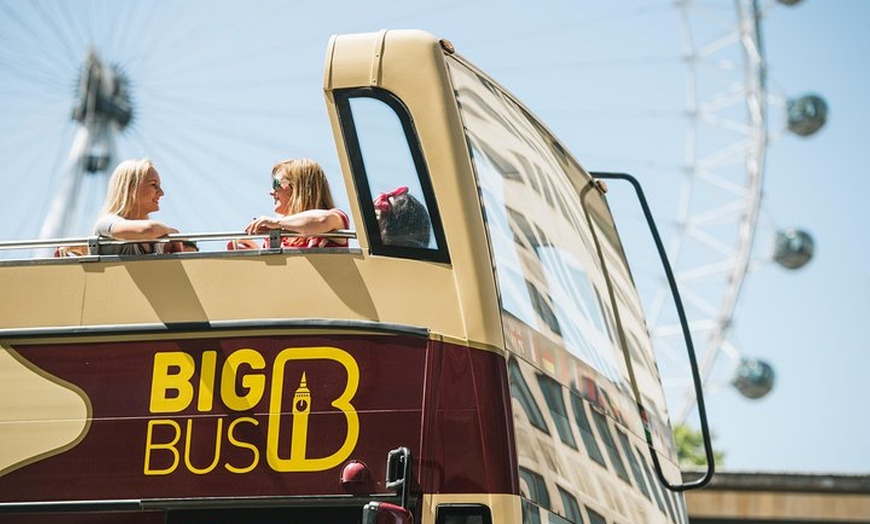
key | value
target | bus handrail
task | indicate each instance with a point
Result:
(690, 349)
(96, 241)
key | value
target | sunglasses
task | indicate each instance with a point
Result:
(276, 184)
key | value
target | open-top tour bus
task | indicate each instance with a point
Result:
(500, 373)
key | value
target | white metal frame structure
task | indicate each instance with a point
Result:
(103, 109)
(721, 193)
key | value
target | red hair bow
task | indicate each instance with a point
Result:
(382, 202)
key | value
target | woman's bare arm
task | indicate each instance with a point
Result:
(140, 230)
(309, 223)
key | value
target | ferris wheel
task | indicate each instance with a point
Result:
(181, 86)
(87, 84)
(714, 245)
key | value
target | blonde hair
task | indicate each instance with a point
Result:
(309, 184)
(124, 185)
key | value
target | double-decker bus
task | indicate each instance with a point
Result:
(499, 373)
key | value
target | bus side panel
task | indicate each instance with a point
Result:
(468, 438)
(207, 417)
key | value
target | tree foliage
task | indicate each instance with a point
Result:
(690, 447)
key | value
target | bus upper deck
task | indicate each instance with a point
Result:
(499, 366)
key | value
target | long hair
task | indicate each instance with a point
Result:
(124, 185)
(403, 220)
(309, 183)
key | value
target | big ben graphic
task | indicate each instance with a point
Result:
(301, 410)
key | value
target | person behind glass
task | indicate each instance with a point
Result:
(303, 204)
(402, 219)
(134, 193)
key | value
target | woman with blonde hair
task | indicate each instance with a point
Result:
(303, 204)
(134, 193)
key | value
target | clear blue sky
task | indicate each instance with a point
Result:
(223, 89)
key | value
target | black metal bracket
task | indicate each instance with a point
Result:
(690, 348)
(399, 473)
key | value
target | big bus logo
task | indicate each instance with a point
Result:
(178, 382)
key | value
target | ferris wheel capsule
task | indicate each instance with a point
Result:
(753, 378)
(793, 248)
(789, 2)
(807, 114)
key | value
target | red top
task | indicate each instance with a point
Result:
(319, 241)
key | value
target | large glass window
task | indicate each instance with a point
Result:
(393, 184)
(547, 266)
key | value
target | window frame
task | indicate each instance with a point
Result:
(571, 506)
(520, 390)
(600, 421)
(587, 434)
(555, 401)
(360, 177)
(442, 511)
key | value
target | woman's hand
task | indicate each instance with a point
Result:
(309, 223)
(262, 224)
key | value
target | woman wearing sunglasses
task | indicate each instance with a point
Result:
(303, 204)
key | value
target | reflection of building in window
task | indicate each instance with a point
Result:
(572, 509)
(538, 492)
(556, 402)
(653, 482)
(595, 517)
(538, 496)
(520, 391)
(554, 518)
(542, 308)
(558, 293)
(669, 501)
(680, 504)
(632, 463)
(586, 429)
(610, 445)
(540, 239)
(531, 512)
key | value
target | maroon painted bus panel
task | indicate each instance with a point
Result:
(272, 416)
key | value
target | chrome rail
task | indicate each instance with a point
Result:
(93, 243)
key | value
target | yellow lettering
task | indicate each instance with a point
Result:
(170, 446)
(298, 461)
(254, 383)
(243, 380)
(242, 444)
(217, 447)
(205, 400)
(163, 381)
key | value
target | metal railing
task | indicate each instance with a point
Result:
(93, 245)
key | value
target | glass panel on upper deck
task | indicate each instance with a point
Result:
(564, 283)
(393, 185)
(548, 272)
